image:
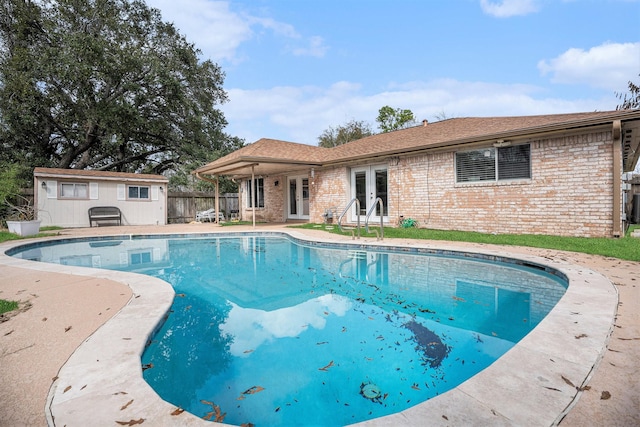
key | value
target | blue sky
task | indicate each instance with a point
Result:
(297, 67)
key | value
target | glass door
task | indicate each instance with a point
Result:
(367, 184)
(298, 197)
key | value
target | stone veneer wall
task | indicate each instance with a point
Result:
(570, 192)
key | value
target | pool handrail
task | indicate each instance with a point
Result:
(357, 202)
(378, 201)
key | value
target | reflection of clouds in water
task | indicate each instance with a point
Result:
(250, 327)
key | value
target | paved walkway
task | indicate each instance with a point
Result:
(61, 311)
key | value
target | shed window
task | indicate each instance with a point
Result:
(138, 192)
(74, 190)
(494, 164)
(256, 199)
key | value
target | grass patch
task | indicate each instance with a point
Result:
(7, 306)
(232, 223)
(44, 232)
(627, 248)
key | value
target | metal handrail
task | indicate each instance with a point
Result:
(357, 202)
(378, 201)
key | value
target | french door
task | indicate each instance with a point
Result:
(298, 197)
(367, 184)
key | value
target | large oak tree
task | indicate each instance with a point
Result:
(105, 85)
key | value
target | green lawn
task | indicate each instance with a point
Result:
(44, 232)
(627, 248)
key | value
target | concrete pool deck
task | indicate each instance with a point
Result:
(589, 341)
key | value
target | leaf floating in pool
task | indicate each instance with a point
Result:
(322, 342)
(248, 351)
(415, 386)
(458, 298)
(180, 295)
(219, 416)
(253, 390)
(426, 310)
(277, 409)
(147, 366)
(326, 368)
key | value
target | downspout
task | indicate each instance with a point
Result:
(217, 200)
(216, 183)
(253, 195)
(617, 178)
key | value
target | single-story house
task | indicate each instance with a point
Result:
(63, 197)
(555, 174)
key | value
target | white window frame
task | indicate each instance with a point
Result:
(259, 188)
(129, 197)
(75, 187)
(370, 192)
(483, 175)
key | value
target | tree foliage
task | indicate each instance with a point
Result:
(630, 100)
(390, 119)
(352, 130)
(105, 85)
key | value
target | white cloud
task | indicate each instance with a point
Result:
(218, 31)
(210, 25)
(301, 114)
(608, 66)
(508, 8)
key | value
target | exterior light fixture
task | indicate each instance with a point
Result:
(501, 143)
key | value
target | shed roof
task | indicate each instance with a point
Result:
(269, 156)
(97, 175)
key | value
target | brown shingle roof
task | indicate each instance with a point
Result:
(446, 133)
(57, 172)
(270, 151)
(457, 131)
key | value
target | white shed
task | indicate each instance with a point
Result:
(63, 197)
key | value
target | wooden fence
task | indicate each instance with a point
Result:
(183, 206)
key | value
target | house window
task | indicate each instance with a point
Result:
(140, 257)
(138, 192)
(494, 164)
(256, 199)
(74, 190)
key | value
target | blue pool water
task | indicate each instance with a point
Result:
(271, 331)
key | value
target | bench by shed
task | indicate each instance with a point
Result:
(104, 213)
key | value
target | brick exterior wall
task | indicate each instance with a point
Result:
(328, 190)
(570, 192)
(274, 201)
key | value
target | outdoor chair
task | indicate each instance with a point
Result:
(209, 215)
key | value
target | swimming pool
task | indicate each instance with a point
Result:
(441, 306)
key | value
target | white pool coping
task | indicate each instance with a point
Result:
(535, 383)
